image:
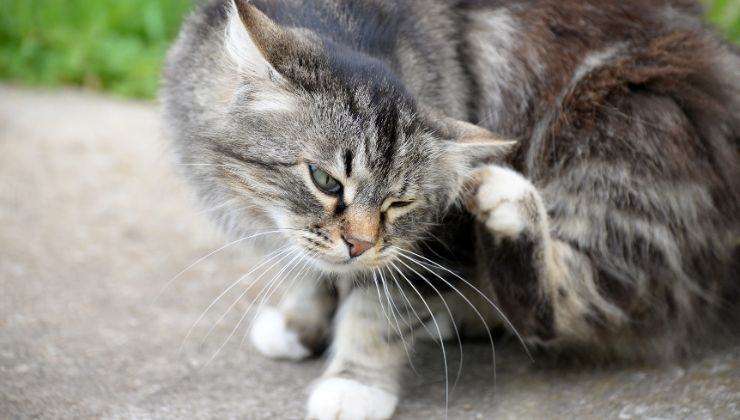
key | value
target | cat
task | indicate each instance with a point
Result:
(563, 169)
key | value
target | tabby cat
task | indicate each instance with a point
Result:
(564, 169)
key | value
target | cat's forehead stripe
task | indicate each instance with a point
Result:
(348, 163)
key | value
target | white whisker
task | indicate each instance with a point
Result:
(216, 251)
(392, 302)
(472, 306)
(449, 312)
(398, 325)
(483, 295)
(272, 255)
(244, 315)
(288, 255)
(298, 276)
(441, 341)
(303, 260)
(409, 304)
(218, 206)
(389, 325)
(199, 164)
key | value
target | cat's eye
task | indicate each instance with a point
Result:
(324, 181)
(400, 203)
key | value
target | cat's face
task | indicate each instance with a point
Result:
(333, 151)
(348, 178)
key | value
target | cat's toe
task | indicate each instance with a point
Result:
(346, 399)
(502, 200)
(271, 337)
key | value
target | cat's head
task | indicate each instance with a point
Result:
(327, 145)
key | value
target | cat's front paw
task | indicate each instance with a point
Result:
(504, 200)
(271, 336)
(346, 399)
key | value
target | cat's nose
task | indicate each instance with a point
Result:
(356, 246)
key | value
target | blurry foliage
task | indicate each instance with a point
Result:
(115, 45)
(725, 14)
(119, 45)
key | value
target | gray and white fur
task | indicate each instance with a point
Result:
(601, 219)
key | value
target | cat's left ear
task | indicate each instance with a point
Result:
(472, 145)
(260, 46)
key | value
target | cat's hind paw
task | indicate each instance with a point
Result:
(504, 200)
(271, 336)
(347, 399)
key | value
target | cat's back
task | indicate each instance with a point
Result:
(526, 54)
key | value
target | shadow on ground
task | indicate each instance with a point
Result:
(94, 223)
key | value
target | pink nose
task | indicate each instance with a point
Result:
(357, 246)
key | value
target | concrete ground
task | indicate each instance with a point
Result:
(93, 223)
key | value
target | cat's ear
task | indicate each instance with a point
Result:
(473, 145)
(258, 45)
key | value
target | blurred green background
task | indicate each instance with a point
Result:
(118, 45)
(112, 45)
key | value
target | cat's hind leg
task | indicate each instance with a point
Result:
(546, 288)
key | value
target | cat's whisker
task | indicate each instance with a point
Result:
(472, 306)
(285, 256)
(409, 309)
(431, 250)
(226, 216)
(230, 211)
(274, 284)
(391, 306)
(266, 259)
(439, 334)
(306, 265)
(408, 303)
(398, 325)
(266, 298)
(196, 164)
(389, 324)
(449, 312)
(392, 301)
(216, 251)
(282, 274)
(218, 206)
(483, 295)
(246, 312)
(199, 164)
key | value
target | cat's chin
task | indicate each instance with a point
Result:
(340, 267)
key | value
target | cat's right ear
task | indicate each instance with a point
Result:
(257, 45)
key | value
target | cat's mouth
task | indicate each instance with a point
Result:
(345, 265)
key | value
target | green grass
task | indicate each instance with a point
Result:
(114, 45)
(118, 45)
(725, 14)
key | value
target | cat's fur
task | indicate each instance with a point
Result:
(610, 228)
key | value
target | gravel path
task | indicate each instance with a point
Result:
(93, 223)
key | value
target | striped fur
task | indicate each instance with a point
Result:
(609, 230)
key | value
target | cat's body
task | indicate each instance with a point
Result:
(614, 232)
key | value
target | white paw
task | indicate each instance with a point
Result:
(345, 399)
(499, 200)
(272, 338)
